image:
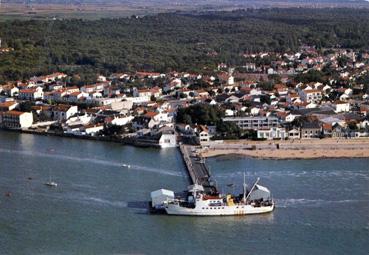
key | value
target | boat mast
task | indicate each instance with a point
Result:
(194, 191)
(244, 187)
(253, 187)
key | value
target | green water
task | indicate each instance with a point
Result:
(98, 206)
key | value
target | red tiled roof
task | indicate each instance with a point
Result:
(25, 91)
(327, 126)
(147, 74)
(7, 104)
(312, 91)
(151, 114)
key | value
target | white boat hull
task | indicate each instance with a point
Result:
(174, 209)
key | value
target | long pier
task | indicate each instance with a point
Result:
(197, 170)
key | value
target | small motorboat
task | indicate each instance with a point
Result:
(51, 184)
(126, 165)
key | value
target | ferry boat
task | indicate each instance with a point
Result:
(195, 202)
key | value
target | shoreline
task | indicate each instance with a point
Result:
(303, 149)
(122, 141)
(327, 148)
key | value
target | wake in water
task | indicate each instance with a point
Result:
(91, 161)
(302, 202)
(100, 201)
(137, 205)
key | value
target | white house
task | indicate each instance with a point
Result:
(138, 100)
(63, 112)
(155, 91)
(294, 134)
(93, 129)
(203, 134)
(13, 91)
(230, 80)
(229, 112)
(163, 116)
(76, 96)
(271, 71)
(342, 106)
(93, 88)
(272, 133)
(81, 119)
(291, 117)
(121, 121)
(31, 94)
(255, 111)
(121, 105)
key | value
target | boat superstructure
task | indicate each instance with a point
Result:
(196, 202)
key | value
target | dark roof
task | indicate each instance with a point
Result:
(221, 98)
(311, 124)
(323, 110)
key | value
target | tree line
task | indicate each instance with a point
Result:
(174, 41)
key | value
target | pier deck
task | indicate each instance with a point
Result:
(196, 168)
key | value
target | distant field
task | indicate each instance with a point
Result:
(9, 11)
(20, 11)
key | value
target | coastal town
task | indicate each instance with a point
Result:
(281, 98)
(181, 127)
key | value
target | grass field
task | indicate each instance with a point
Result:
(19, 11)
(10, 11)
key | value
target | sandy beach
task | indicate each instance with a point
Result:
(298, 149)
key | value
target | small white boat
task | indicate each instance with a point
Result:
(126, 165)
(51, 184)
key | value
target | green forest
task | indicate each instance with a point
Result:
(174, 41)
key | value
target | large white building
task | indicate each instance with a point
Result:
(311, 95)
(16, 119)
(168, 139)
(253, 122)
